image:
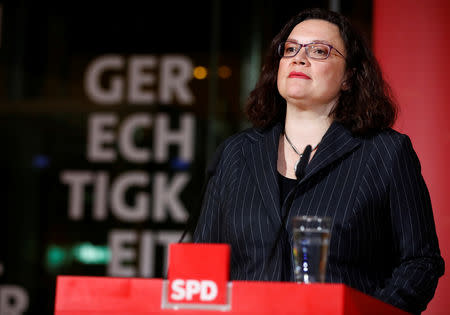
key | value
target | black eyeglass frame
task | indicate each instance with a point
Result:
(281, 48)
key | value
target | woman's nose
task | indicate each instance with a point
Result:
(301, 56)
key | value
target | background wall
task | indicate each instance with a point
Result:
(409, 43)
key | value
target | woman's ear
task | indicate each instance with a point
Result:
(345, 85)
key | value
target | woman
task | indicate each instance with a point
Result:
(321, 87)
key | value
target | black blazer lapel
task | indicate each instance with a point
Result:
(261, 159)
(262, 153)
(337, 142)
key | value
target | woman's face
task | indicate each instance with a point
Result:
(303, 81)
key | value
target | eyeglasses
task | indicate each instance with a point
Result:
(318, 51)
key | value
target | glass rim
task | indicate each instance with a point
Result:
(311, 218)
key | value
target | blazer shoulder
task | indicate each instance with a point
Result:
(230, 149)
(391, 143)
(390, 138)
(244, 137)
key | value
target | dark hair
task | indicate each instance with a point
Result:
(367, 105)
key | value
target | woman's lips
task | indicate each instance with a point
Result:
(299, 75)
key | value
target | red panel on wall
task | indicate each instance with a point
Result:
(411, 44)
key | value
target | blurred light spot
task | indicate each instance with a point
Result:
(224, 72)
(41, 161)
(200, 72)
(55, 256)
(87, 253)
(179, 164)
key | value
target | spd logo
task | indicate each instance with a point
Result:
(193, 290)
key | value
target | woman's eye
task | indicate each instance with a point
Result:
(290, 49)
(319, 50)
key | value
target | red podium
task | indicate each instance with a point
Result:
(187, 291)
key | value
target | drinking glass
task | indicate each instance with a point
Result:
(311, 240)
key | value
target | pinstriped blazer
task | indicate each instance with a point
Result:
(383, 239)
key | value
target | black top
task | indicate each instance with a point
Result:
(286, 185)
